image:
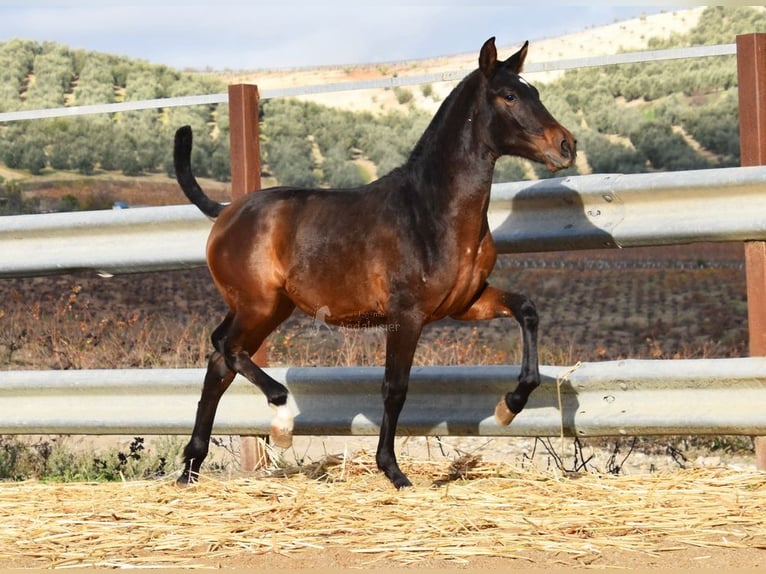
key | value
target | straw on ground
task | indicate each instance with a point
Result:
(455, 512)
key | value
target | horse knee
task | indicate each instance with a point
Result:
(527, 314)
(216, 365)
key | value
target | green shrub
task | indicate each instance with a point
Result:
(665, 149)
(340, 172)
(509, 169)
(290, 160)
(403, 95)
(605, 156)
(52, 459)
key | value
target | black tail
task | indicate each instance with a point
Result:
(185, 177)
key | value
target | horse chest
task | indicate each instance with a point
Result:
(465, 277)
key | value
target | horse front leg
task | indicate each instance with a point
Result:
(401, 342)
(493, 303)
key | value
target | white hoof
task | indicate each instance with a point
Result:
(281, 434)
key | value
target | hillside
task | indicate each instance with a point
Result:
(634, 118)
(623, 36)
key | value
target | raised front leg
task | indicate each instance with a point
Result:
(401, 342)
(493, 303)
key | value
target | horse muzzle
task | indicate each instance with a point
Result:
(561, 151)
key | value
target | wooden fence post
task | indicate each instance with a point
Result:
(751, 74)
(246, 178)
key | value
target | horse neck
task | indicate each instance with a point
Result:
(451, 167)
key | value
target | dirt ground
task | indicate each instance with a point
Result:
(725, 559)
(722, 559)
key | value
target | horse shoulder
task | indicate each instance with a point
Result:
(476, 267)
(465, 278)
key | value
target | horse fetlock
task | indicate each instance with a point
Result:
(196, 451)
(529, 380)
(189, 476)
(281, 432)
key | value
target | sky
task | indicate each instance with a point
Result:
(239, 35)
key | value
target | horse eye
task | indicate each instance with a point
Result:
(510, 97)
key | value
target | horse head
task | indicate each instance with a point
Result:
(519, 123)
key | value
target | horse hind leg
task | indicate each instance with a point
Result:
(233, 348)
(237, 346)
(217, 380)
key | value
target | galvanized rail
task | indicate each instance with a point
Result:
(581, 212)
(629, 397)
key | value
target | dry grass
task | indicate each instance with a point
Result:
(456, 512)
(157, 320)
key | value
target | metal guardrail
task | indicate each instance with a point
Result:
(629, 397)
(592, 211)
(609, 210)
(108, 242)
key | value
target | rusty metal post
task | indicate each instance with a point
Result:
(245, 144)
(751, 73)
(246, 178)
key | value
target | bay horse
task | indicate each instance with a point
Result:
(407, 249)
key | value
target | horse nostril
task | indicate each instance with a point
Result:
(566, 151)
(568, 148)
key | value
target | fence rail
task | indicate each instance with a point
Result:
(581, 212)
(630, 397)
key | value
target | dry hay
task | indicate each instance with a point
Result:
(455, 512)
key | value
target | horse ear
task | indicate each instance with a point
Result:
(488, 58)
(516, 62)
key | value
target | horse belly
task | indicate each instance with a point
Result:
(344, 269)
(339, 298)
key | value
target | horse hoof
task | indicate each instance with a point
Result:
(503, 414)
(281, 434)
(402, 483)
(186, 481)
(280, 437)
